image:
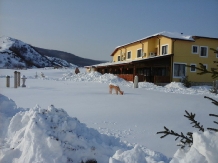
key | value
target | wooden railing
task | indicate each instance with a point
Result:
(128, 77)
(161, 79)
(141, 78)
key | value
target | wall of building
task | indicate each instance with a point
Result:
(148, 46)
(183, 54)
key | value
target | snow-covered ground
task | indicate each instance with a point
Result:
(66, 117)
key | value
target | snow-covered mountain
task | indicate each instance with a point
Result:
(17, 54)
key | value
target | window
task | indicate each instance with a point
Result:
(217, 53)
(118, 58)
(164, 49)
(194, 49)
(193, 68)
(128, 55)
(139, 53)
(179, 70)
(203, 52)
(205, 66)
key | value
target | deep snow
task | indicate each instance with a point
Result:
(133, 118)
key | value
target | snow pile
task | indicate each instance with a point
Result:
(50, 135)
(135, 155)
(95, 77)
(173, 87)
(203, 150)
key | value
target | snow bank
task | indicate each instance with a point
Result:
(135, 155)
(203, 150)
(95, 77)
(51, 136)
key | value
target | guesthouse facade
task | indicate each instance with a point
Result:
(162, 58)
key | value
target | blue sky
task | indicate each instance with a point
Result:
(94, 28)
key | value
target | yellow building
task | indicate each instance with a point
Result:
(162, 58)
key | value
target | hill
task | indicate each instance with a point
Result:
(17, 54)
(71, 58)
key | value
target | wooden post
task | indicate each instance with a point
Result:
(15, 79)
(7, 81)
(18, 79)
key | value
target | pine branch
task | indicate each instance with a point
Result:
(215, 122)
(191, 117)
(185, 140)
(203, 70)
(214, 115)
(213, 129)
(213, 101)
(215, 51)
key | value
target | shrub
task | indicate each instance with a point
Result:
(186, 82)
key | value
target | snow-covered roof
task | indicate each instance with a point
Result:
(174, 35)
(109, 64)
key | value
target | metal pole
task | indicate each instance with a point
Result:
(136, 82)
(15, 79)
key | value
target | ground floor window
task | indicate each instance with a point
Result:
(192, 67)
(179, 70)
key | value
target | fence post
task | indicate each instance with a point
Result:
(136, 82)
(7, 81)
(15, 79)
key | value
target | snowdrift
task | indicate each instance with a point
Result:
(51, 136)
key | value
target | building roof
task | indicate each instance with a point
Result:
(172, 35)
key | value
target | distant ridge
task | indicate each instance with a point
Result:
(71, 58)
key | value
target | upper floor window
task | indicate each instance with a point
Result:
(203, 51)
(194, 49)
(164, 49)
(128, 55)
(139, 53)
(118, 58)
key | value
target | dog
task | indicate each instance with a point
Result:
(116, 88)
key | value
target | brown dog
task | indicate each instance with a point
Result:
(116, 88)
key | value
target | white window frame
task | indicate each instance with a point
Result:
(174, 68)
(197, 49)
(190, 67)
(127, 55)
(167, 45)
(118, 58)
(137, 53)
(206, 51)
